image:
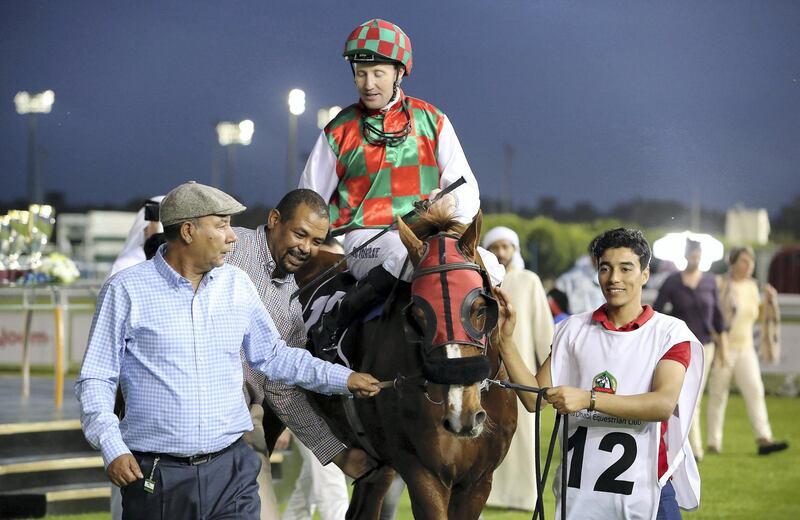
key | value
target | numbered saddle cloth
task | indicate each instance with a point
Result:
(613, 462)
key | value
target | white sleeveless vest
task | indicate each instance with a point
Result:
(613, 462)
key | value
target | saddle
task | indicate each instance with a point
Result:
(324, 300)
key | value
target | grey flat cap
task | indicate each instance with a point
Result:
(192, 200)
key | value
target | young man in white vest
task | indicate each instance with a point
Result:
(629, 377)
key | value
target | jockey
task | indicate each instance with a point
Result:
(379, 156)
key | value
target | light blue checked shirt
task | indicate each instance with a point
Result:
(175, 353)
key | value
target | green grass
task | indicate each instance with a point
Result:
(737, 484)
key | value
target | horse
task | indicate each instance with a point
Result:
(438, 423)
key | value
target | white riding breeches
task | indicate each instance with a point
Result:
(390, 252)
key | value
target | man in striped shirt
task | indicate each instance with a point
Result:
(169, 331)
(270, 255)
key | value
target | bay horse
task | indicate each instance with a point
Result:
(439, 425)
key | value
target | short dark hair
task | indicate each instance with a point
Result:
(633, 239)
(294, 198)
(152, 244)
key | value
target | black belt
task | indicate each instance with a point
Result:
(194, 460)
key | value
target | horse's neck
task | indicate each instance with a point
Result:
(383, 342)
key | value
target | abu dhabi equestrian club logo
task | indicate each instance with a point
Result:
(605, 382)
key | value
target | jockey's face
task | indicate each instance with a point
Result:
(295, 240)
(375, 83)
(621, 278)
(504, 251)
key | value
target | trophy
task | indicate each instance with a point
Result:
(40, 224)
(5, 247)
(18, 239)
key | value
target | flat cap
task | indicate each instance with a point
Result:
(193, 200)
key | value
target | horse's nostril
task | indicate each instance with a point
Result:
(480, 417)
(447, 424)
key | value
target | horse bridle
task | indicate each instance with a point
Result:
(444, 287)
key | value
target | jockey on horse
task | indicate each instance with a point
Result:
(374, 160)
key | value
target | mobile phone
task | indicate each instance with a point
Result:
(151, 211)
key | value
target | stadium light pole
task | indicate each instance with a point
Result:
(229, 135)
(30, 105)
(297, 105)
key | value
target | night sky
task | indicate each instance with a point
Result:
(601, 101)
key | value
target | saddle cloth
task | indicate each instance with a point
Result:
(323, 301)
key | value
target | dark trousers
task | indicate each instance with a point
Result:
(668, 506)
(222, 488)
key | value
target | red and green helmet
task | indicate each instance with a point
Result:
(378, 41)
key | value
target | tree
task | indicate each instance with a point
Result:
(788, 221)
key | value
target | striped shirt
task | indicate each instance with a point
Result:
(175, 352)
(251, 253)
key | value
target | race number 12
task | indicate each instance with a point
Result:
(607, 481)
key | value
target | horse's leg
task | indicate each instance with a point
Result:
(429, 496)
(368, 494)
(467, 501)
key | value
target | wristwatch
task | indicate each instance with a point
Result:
(592, 400)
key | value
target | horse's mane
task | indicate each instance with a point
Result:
(437, 220)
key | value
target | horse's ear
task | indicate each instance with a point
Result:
(469, 239)
(414, 245)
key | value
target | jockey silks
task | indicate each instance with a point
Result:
(378, 183)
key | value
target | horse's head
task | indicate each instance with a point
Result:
(451, 314)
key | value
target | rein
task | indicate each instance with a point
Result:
(541, 477)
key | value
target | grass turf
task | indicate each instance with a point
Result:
(736, 484)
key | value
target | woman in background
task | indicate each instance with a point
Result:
(742, 305)
(695, 300)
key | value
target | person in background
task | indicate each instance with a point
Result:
(145, 225)
(512, 482)
(694, 298)
(559, 305)
(580, 286)
(742, 306)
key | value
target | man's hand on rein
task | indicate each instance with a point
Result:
(363, 385)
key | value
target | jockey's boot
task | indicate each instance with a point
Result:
(367, 293)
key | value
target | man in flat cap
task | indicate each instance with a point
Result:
(169, 331)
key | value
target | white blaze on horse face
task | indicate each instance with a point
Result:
(464, 413)
(455, 394)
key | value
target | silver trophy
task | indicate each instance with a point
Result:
(5, 247)
(41, 222)
(18, 241)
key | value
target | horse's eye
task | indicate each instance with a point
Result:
(418, 316)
